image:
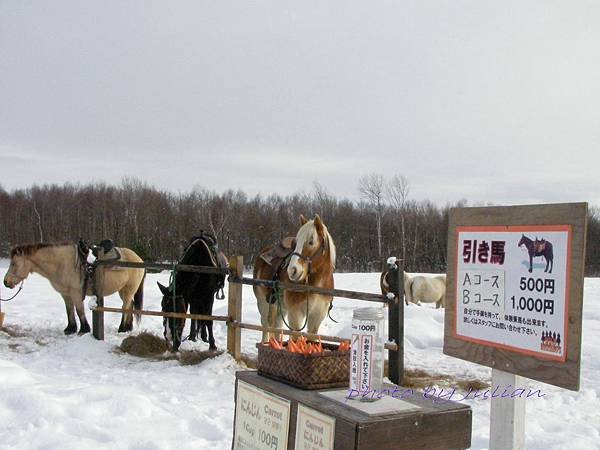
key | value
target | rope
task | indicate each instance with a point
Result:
(9, 299)
(329, 310)
(277, 293)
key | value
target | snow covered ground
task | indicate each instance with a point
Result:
(72, 392)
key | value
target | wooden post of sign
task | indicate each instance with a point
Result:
(234, 332)
(396, 323)
(98, 316)
(507, 418)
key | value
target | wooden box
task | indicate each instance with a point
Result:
(434, 425)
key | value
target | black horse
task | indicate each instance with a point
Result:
(194, 290)
(538, 248)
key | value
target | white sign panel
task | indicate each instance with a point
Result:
(512, 288)
(261, 419)
(314, 430)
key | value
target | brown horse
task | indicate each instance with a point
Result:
(61, 265)
(538, 248)
(310, 260)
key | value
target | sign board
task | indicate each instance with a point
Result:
(314, 430)
(261, 419)
(515, 289)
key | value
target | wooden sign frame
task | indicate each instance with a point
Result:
(556, 372)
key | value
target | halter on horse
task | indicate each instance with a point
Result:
(311, 262)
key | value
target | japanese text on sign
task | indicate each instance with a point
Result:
(314, 430)
(511, 288)
(261, 419)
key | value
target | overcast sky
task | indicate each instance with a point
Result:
(490, 101)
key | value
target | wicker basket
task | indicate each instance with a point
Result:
(317, 371)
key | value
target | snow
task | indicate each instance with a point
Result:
(67, 392)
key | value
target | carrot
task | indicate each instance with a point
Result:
(293, 347)
(274, 344)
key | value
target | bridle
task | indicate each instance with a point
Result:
(321, 251)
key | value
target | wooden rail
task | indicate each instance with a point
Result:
(234, 319)
(162, 266)
(366, 296)
(176, 315)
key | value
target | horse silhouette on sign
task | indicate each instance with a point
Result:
(537, 247)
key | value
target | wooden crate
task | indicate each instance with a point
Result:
(435, 425)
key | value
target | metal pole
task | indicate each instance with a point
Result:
(396, 322)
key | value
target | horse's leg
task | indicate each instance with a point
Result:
(530, 263)
(194, 324)
(268, 313)
(127, 317)
(551, 264)
(211, 338)
(72, 325)
(318, 308)
(296, 310)
(84, 326)
(208, 324)
(203, 330)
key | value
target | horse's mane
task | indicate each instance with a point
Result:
(31, 249)
(332, 252)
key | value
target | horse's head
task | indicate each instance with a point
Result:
(173, 327)
(314, 247)
(522, 240)
(20, 267)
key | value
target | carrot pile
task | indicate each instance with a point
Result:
(303, 346)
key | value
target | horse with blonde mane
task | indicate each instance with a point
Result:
(62, 266)
(309, 259)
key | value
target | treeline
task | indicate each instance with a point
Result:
(157, 224)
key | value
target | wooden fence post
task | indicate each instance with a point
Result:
(234, 332)
(98, 316)
(396, 323)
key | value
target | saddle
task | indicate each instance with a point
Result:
(277, 257)
(539, 246)
(217, 257)
(89, 254)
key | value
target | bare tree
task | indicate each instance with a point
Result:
(372, 188)
(39, 221)
(397, 191)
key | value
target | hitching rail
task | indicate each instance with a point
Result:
(234, 319)
(163, 314)
(366, 296)
(163, 266)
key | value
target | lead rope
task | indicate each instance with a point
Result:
(277, 293)
(173, 285)
(9, 299)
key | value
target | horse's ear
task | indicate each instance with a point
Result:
(303, 219)
(165, 290)
(318, 222)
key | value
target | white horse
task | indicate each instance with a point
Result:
(426, 289)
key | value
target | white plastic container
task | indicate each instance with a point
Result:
(366, 353)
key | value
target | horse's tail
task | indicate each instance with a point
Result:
(138, 300)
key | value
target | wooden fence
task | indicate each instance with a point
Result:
(234, 320)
